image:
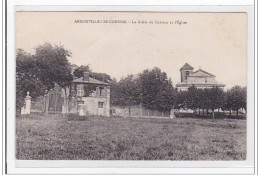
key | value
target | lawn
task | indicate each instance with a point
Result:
(57, 137)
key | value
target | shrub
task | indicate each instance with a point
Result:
(75, 117)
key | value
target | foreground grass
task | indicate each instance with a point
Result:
(57, 137)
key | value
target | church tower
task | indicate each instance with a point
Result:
(185, 71)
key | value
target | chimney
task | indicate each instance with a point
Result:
(85, 76)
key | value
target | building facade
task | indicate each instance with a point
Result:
(198, 79)
(94, 94)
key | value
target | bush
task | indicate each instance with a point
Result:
(75, 117)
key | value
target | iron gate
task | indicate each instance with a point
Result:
(55, 103)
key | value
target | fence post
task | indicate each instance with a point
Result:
(172, 115)
(46, 104)
(28, 103)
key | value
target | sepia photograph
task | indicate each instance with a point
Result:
(131, 86)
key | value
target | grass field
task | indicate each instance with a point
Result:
(57, 137)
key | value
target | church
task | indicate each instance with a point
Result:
(199, 79)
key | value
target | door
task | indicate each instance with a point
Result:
(101, 109)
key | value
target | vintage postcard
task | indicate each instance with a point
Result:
(131, 86)
(132, 89)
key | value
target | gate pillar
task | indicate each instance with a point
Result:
(28, 103)
(172, 115)
(81, 111)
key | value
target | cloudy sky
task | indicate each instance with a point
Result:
(216, 42)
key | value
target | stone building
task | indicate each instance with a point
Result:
(94, 94)
(199, 79)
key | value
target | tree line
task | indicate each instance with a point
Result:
(203, 100)
(151, 88)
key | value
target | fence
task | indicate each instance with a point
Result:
(51, 102)
(137, 111)
(37, 106)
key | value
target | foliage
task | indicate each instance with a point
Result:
(115, 96)
(53, 64)
(129, 91)
(157, 91)
(181, 100)
(216, 98)
(27, 78)
(40, 71)
(192, 98)
(78, 72)
(151, 88)
(237, 98)
(209, 98)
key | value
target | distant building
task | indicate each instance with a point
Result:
(199, 79)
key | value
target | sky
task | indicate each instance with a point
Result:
(214, 42)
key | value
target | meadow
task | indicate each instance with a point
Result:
(61, 137)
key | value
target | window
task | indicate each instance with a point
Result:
(187, 73)
(100, 91)
(100, 104)
(80, 90)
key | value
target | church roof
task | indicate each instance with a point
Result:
(201, 73)
(91, 81)
(187, 66)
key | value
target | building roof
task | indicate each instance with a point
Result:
(91, 81)
(201, 73)
(187, 67)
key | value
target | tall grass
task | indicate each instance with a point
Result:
(57, 137)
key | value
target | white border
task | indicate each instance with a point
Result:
(227, 167)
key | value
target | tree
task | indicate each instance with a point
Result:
(200, 102)
(53, 64)
(192, 98)
(115, 97)
(216, 99)
(128, 92)
(244, 98)
(237, 98)
(181, 100)
(40, 71)
(150, 88)
(206, 100)
(157, 90)
(27, 78)
(227, 102)
(78, 72)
